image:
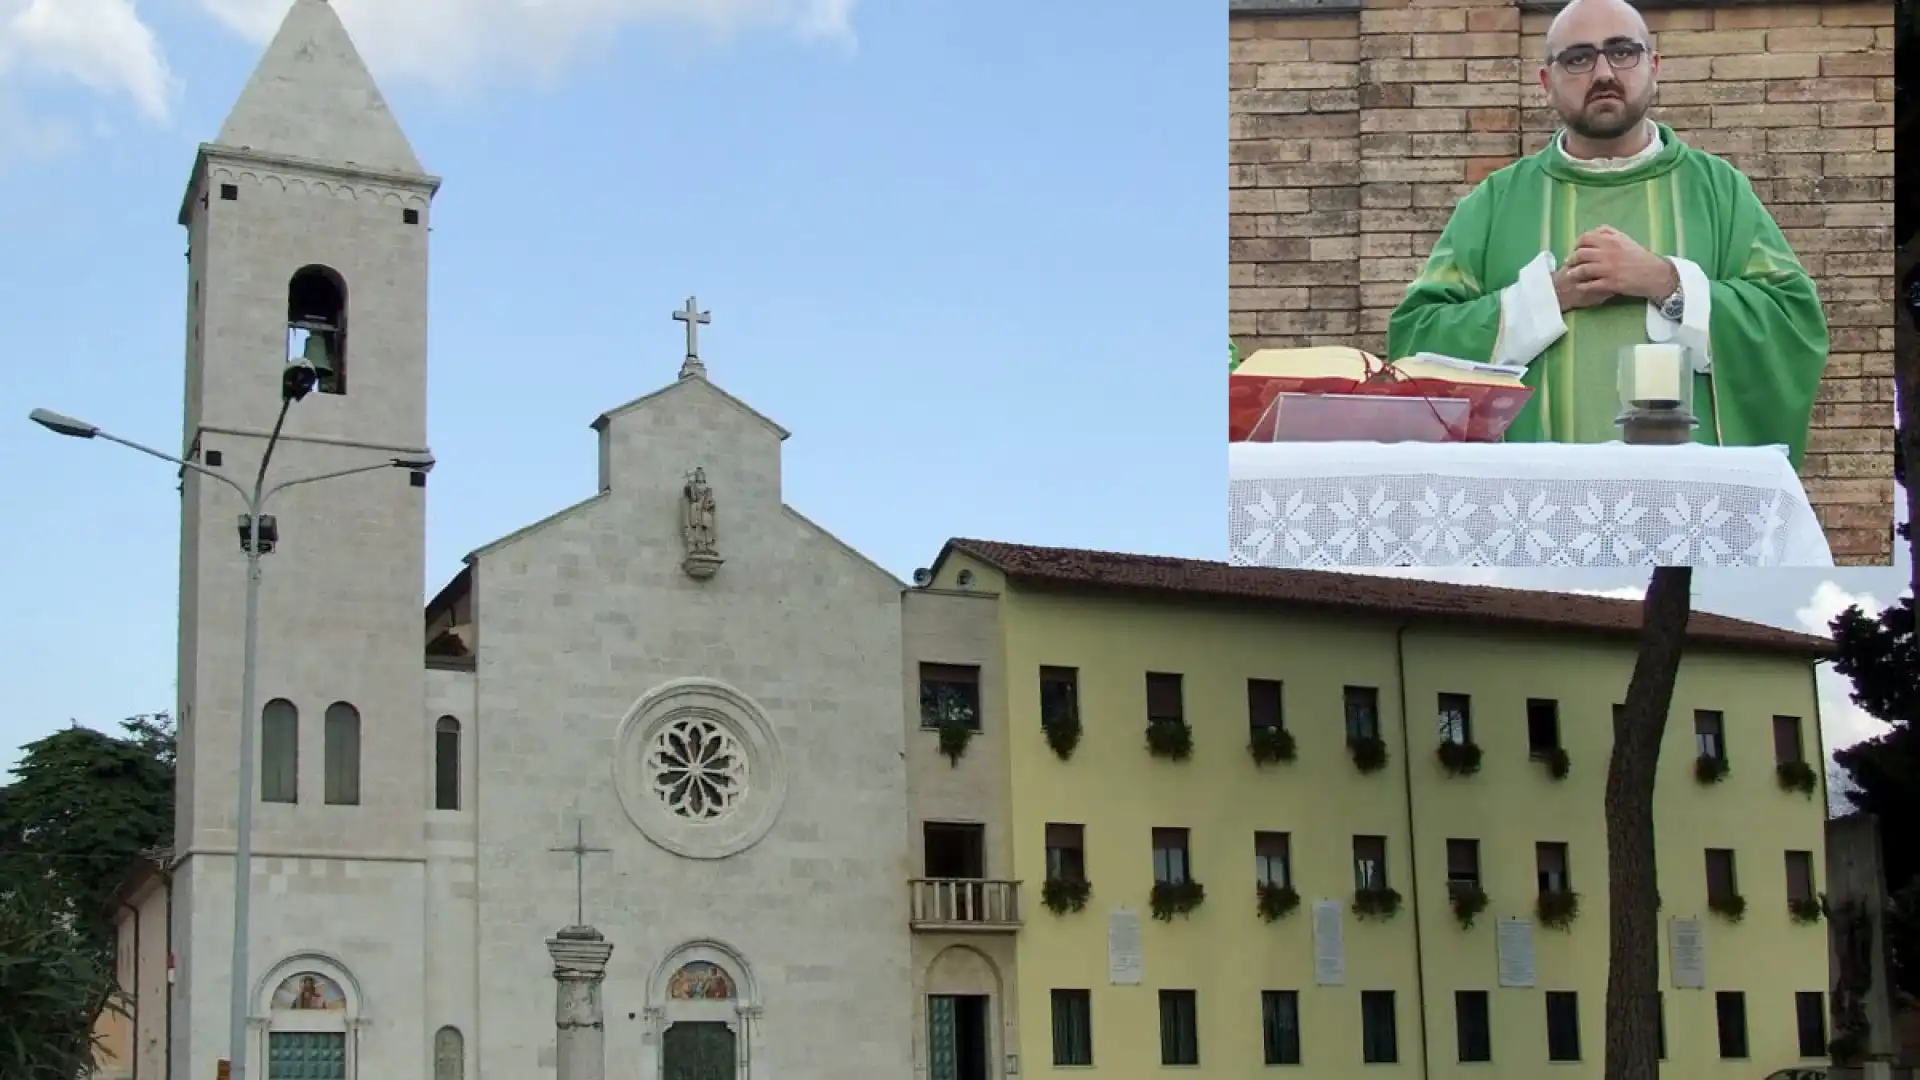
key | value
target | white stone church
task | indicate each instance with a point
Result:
(708, 703)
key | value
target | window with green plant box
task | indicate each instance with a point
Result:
(1066, 888)
(1268, 739)
(1280, 1027)
(1803, 898)
(1379, 1028)
(1730, 1023)
(1369, 863)
(1273, 875)
(1362, 712)
(1073, 1027)
(1790, 765)
(1710, 740)
(950, 695)
(1175, 892)
(1169, 856)
(1373, 893)
(1168, 734)
(1473, 1025)
(1550, 866)
(1465, 894)
(1273, 859)
(1810, 1023)
(1543, 737)
(1458, 753)
(1563, 1025)
(1060, 709)
(1179, 1028)
(1723, 884)
(1364, 742)
(1456, 718)
(1543, 727)
(1557, 905)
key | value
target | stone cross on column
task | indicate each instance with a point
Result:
(579, 967)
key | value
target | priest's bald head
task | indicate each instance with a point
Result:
(1600, 70)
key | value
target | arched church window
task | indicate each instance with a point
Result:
(280, 752)
(317, 325)
(343, 754)
(449, 1054)
(446, 764)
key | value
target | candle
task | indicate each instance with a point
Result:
(1657, 371)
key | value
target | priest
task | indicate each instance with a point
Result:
(1619, 234)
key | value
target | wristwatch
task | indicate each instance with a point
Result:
(1674, 306)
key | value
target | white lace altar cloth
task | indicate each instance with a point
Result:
(1334, 504)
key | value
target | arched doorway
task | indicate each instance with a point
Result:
(702, 1010)
(310, 1016)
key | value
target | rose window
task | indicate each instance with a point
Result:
(698, 768)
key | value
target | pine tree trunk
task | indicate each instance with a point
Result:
(1633, 960)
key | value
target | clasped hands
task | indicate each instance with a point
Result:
(1607, 263)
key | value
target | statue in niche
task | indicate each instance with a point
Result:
(698, 527)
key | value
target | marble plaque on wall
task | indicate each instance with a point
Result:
(1513, 944)
(1687, 954)
(1329, 942)
(1123, 947)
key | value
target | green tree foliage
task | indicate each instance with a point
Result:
(82, 807)
(1880, 656)
(53, 985)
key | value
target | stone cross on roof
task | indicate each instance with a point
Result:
(580, 851)
(694, 318)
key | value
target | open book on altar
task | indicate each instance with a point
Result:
(1333, 391)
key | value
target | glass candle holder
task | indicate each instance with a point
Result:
(1656, 379)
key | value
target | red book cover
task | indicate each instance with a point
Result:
(1491, 407)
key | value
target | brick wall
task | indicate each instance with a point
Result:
(1353, 133)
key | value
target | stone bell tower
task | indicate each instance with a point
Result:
(307, 230)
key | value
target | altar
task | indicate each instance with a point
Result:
(1328, 505)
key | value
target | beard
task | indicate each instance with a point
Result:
(1607, 118)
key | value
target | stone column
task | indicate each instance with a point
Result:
(579, 967)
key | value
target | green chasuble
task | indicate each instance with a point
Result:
(1767, 331)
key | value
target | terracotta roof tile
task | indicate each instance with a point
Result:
(1362, 594)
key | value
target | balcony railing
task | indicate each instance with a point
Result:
(971, 904)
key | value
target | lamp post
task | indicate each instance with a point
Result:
(258, 535)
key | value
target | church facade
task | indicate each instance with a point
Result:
(673, 711)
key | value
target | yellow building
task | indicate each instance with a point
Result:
(1002, 641)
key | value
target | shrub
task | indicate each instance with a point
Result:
(1271, 744)
(1369, 752)
(1172, 898)
(1064, 895)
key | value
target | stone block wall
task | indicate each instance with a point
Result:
(1354, 131)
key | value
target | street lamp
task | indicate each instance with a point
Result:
(258, 534)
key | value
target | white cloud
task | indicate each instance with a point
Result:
(101, 45)
(1842, 722)
(105, 47)
(1624, 592)
(476, 39)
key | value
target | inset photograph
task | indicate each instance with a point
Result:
(1561, 285)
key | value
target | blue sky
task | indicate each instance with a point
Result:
(972, 254)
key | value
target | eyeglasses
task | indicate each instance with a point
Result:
(1579, 59)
